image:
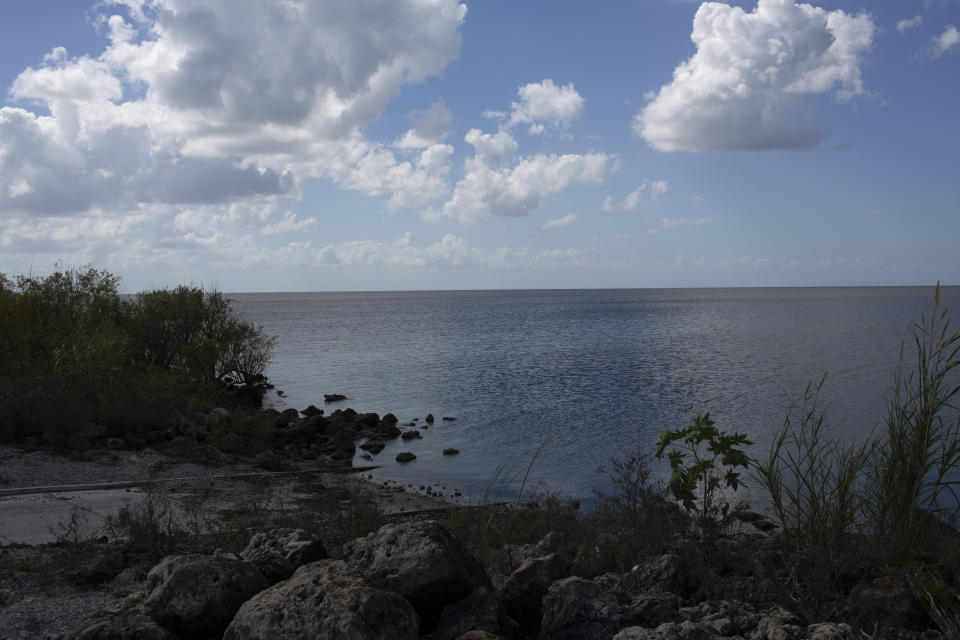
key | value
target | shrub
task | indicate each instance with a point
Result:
(716, 457)
(74, 351)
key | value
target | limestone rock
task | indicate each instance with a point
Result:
(196, 596)
(525, 588)
(686, 630)
(322, 600)
(422, 562)
(279, 552)
(830, 631)
(578, 608)
(669, 572)
(887, 601)
(479, 612)
(109, 625)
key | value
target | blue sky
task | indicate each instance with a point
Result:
(433, 144)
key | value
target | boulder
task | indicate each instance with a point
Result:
(422, 562)
(111, 625)
(405, 456)
(830, 631)
(289, 415)
(77, 443)
(322, 600)
(368, 419)
(387, 430)
(479, 612)
(271, 461)
(448, 418)
(726, 617)
(333, 397)
(196, 596)
(429, 418)
(373, 446)
(234, 444)
(547, 545)
(312, 410)
(671, 572)
(776, 623)
(389, 419)
(101, 563)
(114, 444)
(887, 601)
(525, 588)
(410, 435)
(578, 608)
(686, 630)
(450, 451)
(277, 553)
(218, 417)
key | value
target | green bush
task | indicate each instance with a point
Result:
(73, 350)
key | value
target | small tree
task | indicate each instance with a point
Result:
(715, 458)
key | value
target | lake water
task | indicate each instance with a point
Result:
(581, 376)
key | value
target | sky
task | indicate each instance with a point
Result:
(329, 145)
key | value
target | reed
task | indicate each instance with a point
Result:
(815, 480)
(914, 470)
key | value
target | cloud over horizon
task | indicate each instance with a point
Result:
(744, 88)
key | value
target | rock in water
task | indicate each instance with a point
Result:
(279, 552)
(322, 601)
(196, 596)
(405, 456)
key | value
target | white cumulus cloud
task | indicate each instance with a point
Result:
(430, 126)
(946, 41)
(673, 223)
(496, 184)
(287, 224)
(743, 89)
(543, 104)
(557, 223)
(200, 103)
(657, 189)
(909, 23)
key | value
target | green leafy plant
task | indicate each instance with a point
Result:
(703, 463)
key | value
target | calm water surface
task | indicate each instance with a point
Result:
(582, 375)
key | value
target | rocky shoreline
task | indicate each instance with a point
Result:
(370, 565)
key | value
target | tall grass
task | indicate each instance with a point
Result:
(822, 488)
(815, 480)
(914, 470)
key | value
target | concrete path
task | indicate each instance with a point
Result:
(38, 515)
(38, 518)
